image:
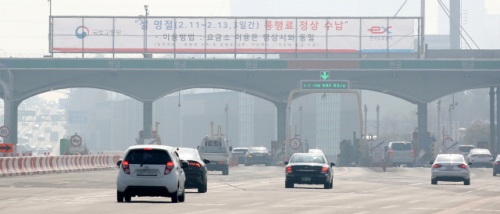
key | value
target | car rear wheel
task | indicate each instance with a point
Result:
(467, 182)
(202, 189)
(183, 196)
(494, 173)
(288, 184)
(327, 185)
(434, 181)
(331, 184)
(128, 198)
(225, 171)
(119, 196)
(175, 197)
(268, 164)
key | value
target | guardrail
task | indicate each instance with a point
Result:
(14, 166)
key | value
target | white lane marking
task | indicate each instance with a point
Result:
(209, 204)
(389, 207)
(362, 212)
(317, 206)
(252, 204)
(203, 211)
(415, 201)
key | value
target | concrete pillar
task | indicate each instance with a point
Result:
(281, 121)
(147, 118)
(498, 121)
(492, 120)
(10, 115)
(455, 19)
(422, 128)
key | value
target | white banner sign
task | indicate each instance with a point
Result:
(232, 35)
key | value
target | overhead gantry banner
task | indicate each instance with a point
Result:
(233, 34)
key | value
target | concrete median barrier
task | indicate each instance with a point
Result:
(15, 166)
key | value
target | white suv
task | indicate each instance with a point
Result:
(480, 157)
(151, 170)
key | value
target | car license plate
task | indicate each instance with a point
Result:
(306, 178)
(449, 167)
(146, 173)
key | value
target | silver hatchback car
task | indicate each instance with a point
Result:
(450, 167)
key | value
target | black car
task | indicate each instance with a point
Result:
(258, 155)
(309, 168)
(241, 153)
(496, 166)
(196, 173)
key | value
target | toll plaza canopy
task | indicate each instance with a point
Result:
(77, 34)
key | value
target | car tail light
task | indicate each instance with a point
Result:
(496, 163)
(289, 169)
(168, 167)
(125, 167)
(413, 155)
(463, 166)
(459, 153)
(324, 170)
(195, 164)
(148, 148)
(222, 162)
(437, 166)
(391, 153)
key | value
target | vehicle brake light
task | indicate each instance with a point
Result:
(391, 153)
(195, 164)
(222, 162)
(125, 166)
(289, 169)
(496, 163)
(412, 153)
(148, 148)
(459, 153)
(463, 166)
(324, 170)
(437, 166)
(168, 167)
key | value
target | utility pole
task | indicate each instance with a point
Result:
(300, 133)
(422, 28)
(378, 121)
(366, 131)
(227, 124)
(146, 30)
(439, 120)
(492, 120)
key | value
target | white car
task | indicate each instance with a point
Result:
(316, 151)
(151, 170)
(480, 157)
(450, 167)
(465, 150)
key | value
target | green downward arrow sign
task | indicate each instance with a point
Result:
(325, 75)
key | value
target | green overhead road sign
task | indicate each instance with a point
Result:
(325, 75)
(327, 84)
(26, 113)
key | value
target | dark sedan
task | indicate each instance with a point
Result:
(196, 173)
(496, 166)
(258, 155)
(307, 168)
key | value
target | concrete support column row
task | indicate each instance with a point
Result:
(147, 119)
(10, 120)
(492, 121)
(281, 121)
(422, 128)
(498, 121)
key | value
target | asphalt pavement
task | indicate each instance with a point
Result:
(260, 189)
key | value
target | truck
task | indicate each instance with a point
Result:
(217, 151)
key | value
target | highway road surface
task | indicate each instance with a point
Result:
(260, 189)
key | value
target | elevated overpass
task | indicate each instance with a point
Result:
(415, 80)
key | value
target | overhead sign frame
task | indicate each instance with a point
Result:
(324, 85)
(202, 35)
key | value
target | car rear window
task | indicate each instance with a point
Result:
(401, 146)
(481, 151)
(141, 156)
(452, 158)
(239, 150)
(307, 159)
(258, 149)
(188, 154)
(465, 149)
